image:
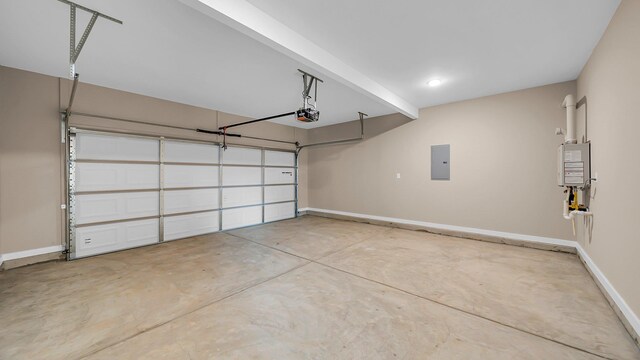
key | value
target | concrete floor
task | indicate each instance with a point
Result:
(311, 288)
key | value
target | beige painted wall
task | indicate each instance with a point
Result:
(503, 165)
(611, 82)
(31, 156)
(30, 163)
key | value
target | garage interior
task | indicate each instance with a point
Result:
(213, 179)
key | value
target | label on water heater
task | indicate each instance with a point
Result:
(574, 172)
(573, 155)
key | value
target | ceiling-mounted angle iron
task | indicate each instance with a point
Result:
(74, 51)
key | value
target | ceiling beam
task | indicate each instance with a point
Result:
(249, 20)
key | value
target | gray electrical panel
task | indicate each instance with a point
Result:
(440, 162)
(574, 162)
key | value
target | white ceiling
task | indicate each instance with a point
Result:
(478, 47)
(169, 50)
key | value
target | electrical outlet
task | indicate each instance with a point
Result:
(397, 175)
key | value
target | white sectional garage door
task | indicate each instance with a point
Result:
(115, 192)
(190, 187)
(127, 191)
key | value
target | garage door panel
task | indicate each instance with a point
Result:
(235, 218)
(279, 158)
(242, 156)
(243, 196)
(181, 151)
(234, 176)
(92, 240)
(179, 176)
(279, 193)
(91, 208)
(180, 201)
(114, 147)
(110, 176)
(279, 176)
(182, 226)
(276, 212)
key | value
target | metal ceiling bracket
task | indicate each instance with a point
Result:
(74, 51)
(362, 115)
(309, 81)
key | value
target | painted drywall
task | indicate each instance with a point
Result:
(503, 165)
(611, 82)
(30, 163)
(32, 157)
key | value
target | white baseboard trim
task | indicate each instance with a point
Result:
(614, 296)
(624, 310)
(32, 252)
(498, 234)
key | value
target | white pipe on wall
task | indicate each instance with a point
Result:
(570, 104)
(570, 215)
(575, 213)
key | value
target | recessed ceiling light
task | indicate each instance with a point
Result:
(434, 82)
